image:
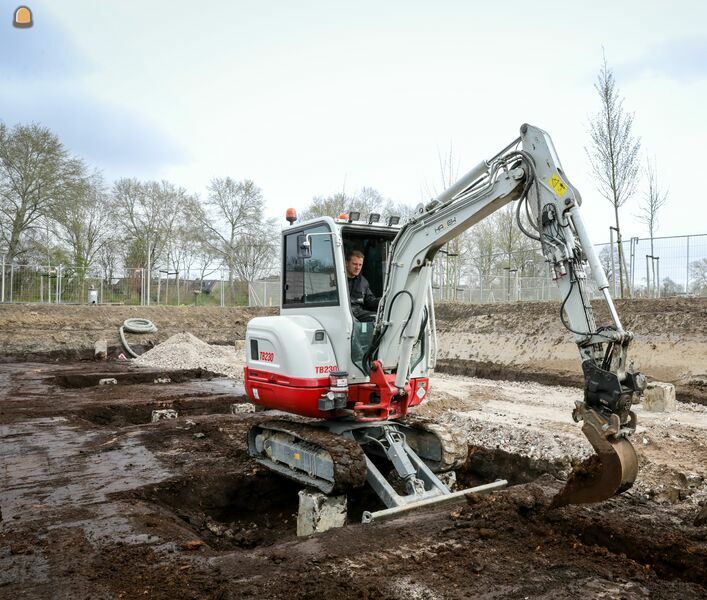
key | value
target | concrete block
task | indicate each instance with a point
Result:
(108, 381)
(100, 350)
(318, 512)
(161, 415)
(659, 397)
(243, 407)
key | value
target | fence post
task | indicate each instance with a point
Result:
(149, 274)
(3, 279)
(57, 296)
(687, 267)
(12, 277)
(223, 298)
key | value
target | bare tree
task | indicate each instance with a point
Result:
(670, 288)
(698, 276)
(108, 258)
(478, 247)
(236, 229)
(81, 219)
(147, 212)
(448, 265)
(654, 199)
(35, 170)
(614, 151)
(366, 201)
(513, 244)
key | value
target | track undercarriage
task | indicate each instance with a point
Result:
(337, 456)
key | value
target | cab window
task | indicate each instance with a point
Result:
(309, 270)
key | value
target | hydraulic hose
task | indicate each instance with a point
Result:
(135, 325)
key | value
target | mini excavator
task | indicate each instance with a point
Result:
(346, 386)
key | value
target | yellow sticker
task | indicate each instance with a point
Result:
(297, 456)
(558, 185)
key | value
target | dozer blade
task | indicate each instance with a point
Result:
(612, 470)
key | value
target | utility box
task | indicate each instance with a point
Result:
(92, 295)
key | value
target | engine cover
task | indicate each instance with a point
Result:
(289, 359)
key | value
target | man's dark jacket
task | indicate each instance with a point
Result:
(362, 298)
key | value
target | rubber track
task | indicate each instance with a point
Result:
(455, 448)
(348, 457)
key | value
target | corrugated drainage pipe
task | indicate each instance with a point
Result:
(135, 325)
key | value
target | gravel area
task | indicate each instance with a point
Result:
(186, 351)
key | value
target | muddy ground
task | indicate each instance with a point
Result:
(98, 502)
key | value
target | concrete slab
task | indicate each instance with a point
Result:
(318, 512)
(161, 415)
(659, 397)
(100, 349)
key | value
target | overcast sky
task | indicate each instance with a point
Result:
(309, 98)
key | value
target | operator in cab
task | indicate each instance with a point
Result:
(363, 303)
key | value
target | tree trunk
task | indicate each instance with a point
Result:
(655, 284)
(621, 252)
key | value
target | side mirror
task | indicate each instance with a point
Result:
(304, 246)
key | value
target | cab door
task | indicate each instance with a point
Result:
(314, 284)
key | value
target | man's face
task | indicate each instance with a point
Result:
(354, 266)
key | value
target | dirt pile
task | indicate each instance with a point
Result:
(43, 331)
(527, 342)
(186, 351)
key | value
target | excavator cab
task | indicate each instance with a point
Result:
(290, 356)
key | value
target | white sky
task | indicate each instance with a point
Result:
(308, 97)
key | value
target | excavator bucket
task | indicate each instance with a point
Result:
(612, 470)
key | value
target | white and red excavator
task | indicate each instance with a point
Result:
(357, 380)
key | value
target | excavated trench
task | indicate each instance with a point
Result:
(247, 507)
(83, 379)
(230, 510)
(693, 390)
(124, 415)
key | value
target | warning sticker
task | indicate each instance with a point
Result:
(558, 185)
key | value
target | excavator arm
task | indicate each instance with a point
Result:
(527, 170)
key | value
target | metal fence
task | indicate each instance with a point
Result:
(265, 292)
(667, 266)
(62, 284)
(671, 266)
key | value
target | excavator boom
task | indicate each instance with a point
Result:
(548, 211)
